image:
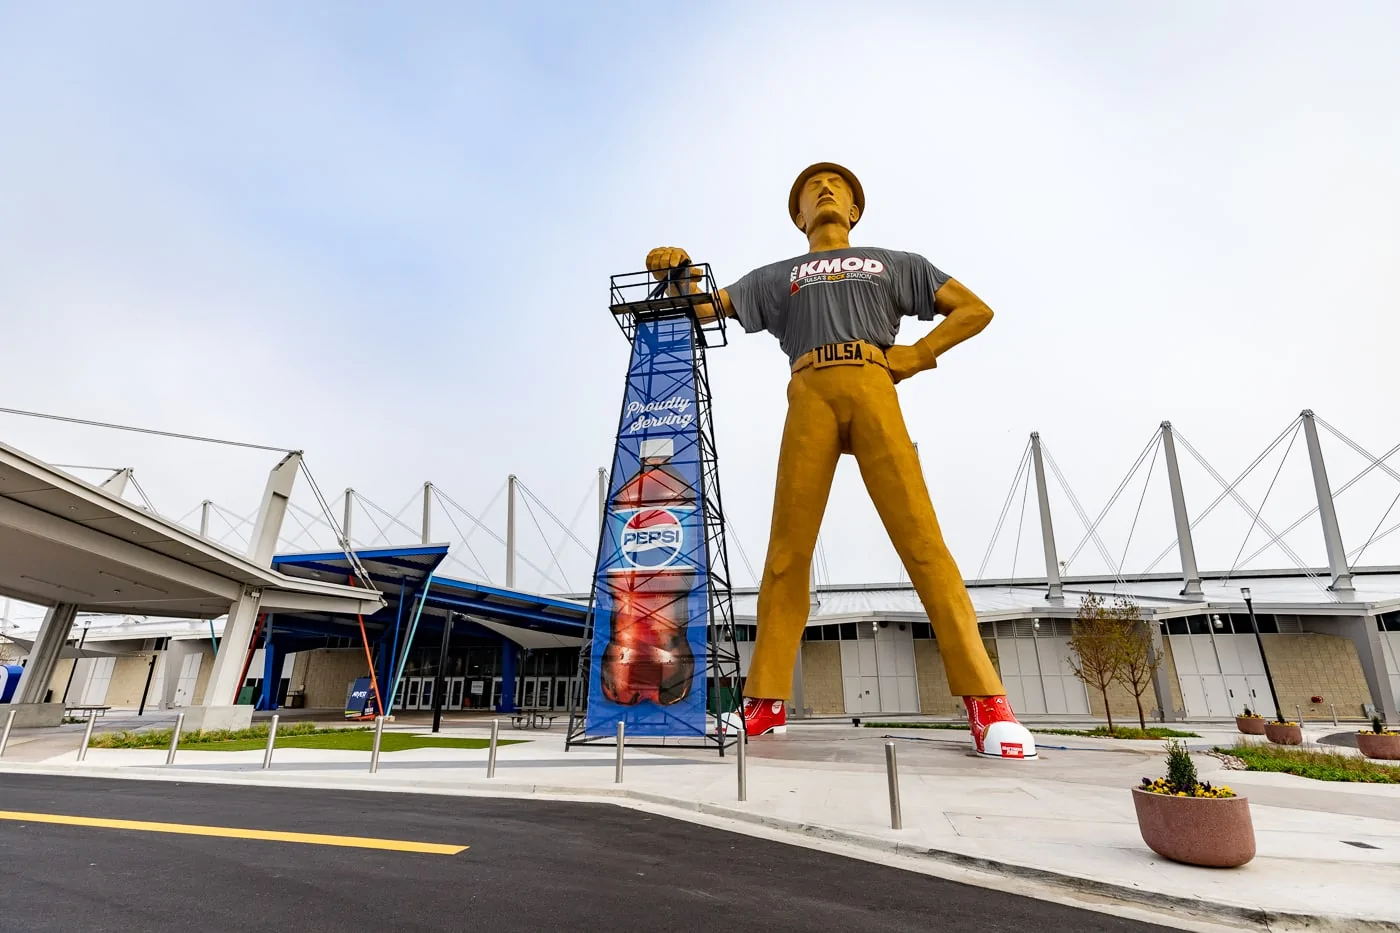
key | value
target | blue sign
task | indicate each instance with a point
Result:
(651, 584)
(359, 703)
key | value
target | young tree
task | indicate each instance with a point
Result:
(1097, 639)
(1139, 662)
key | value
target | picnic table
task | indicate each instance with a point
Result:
(90, 710)
(533, 718)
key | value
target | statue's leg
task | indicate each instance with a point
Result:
(890, 468)
(806, 463)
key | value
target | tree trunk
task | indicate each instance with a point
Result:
(1106, 710)
(1142, 720)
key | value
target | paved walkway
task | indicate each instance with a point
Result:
(1069, 815)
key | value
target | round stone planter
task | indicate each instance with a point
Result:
(1215, 833)
(1283, 734)
(1385, 747)
(1250, 725)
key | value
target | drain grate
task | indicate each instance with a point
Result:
(1360, 845)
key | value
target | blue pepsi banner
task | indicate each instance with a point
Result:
(651, 585)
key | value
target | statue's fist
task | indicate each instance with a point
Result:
(665, 258)
(907, 361)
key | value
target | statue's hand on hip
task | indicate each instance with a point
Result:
(906, 361)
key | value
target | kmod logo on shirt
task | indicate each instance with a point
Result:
(652, 538)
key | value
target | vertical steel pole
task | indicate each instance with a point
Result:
(617, 776)
(374, 750)
(602, 499)
(271, 741)
(204, 518)
(87, 734)
(427, 513)
(1298, 711)
(1326, 508)
(743, 766)
(349, 511)
(5, 736)
(175, 739)
(510, 531)
(1047, 529)
(892, 773)
(491, 755)
(1186, 548)
(1259, 640)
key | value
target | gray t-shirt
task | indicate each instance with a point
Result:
(857, 293)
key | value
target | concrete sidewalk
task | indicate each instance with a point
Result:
(1066, 818)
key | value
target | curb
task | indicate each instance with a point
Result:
(1267, 920)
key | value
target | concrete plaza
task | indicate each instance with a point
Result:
(1328, 853)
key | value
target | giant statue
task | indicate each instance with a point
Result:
(836, 311)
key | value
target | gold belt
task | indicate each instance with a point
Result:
(848, 353)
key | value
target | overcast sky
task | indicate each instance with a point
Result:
(384, 235)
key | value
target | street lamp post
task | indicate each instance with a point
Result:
(1249, 604)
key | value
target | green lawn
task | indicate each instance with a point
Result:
(1101, 732)
(350, 740)
(293, 735)
(1312, 763)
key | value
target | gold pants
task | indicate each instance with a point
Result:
(854, 409)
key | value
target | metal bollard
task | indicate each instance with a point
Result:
(5, 736)
(743, 765)
(374, 749)
(87, 734)
(617, 777)
(491, 755)
(892, 772)
(1298, 711)
(271, 741)
(1333, 705)
(175, 739)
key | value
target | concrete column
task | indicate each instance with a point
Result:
(1190, 576)
(1055, 591)
(38, 670)
(510, 531)
(508, 668)
(1326, 509)
(204, 518)
(273, 510)
(427, 513)
(1162, 677)
(1364, 633)
(221, 692)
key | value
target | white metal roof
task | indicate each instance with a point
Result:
(63, 540)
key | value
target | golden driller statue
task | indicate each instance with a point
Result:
(835, 311)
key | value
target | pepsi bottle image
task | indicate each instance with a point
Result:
(648, 656)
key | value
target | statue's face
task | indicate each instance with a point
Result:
(826, 198)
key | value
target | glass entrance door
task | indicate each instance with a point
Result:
(455, 688)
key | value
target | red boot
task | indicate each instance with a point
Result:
(995, 731)
(764, 716)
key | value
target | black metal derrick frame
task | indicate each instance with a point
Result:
(637, 298)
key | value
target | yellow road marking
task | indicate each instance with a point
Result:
(229, 832)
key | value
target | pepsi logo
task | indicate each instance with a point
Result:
(652, 538)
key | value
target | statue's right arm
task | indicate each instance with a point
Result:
(663, 259)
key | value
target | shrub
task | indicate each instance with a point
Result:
(1181, 779)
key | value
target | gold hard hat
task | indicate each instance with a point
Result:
(811, 170)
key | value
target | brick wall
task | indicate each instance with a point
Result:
(821, 678)
(330, 672)
(1313, 664)
(935, 699)
(1169, 661)
(1120, 700)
